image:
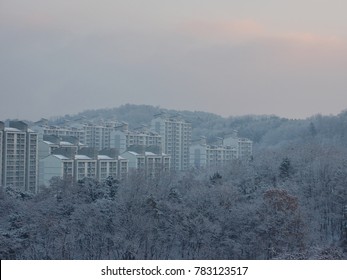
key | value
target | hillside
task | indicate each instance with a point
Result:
(288, 202)
(265, 130)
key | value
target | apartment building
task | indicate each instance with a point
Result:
(78, 167)
(84, 166)
(43, 129)
(106, 166)
(136, 161)
(208, 156)
(156, 164)
(141, 139)
(2, 128)
(65, 145)
(123, 168)
(19, 156)
(55, 166)
(150, 164)
(97, 136)
(243, 146)
(220, 153)
(176, 138)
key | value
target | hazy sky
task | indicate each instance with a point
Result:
(287, 58)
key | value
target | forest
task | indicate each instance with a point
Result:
(288, 202)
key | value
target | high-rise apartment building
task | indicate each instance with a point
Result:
(19, 156)
(97, 136)
(176, 138)
(2, 128)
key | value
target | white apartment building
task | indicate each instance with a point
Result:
(55, 166)
(243, 146)
(207, 156)
(55, 145)
(176, 139)
(97, 136)
(46, 148)
(123, 139)
(156, 164)
(135, 161)
(14, 158)
(2, 128)
(92, 135)
(78, 167)
(106, 166)
(122, 168)
(151, 164)
(227, 149)
(61, 132)
(32, 161)
(104, 135)
(84, 166)
(19, 156)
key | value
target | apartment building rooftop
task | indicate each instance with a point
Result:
(12, 129)
(61, 157)
(104, 157)
(82, 157)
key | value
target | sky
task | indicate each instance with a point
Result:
(287, 58)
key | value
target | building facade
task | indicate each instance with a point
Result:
(152, 165)
(79, 167)
(176, 139)
(208, 156)
(55, 166)
(2, 128)
(225, 150)
(85, 167)
(98, 136)
(123, 168)
(106, 167)
(142, 139)
(243, 146)
(19, 156)
(61, 132)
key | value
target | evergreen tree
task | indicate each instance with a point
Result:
(285, 169)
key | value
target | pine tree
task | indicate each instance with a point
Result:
(285, 169)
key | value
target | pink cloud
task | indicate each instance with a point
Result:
(217, 31)
(313, 50)
(292, 48)
(251, 30)
(309, 39)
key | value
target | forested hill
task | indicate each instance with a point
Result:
(264, 130)
(288, 202)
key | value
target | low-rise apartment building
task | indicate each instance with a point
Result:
(216, 155)
(150, 164)
(79, 167)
